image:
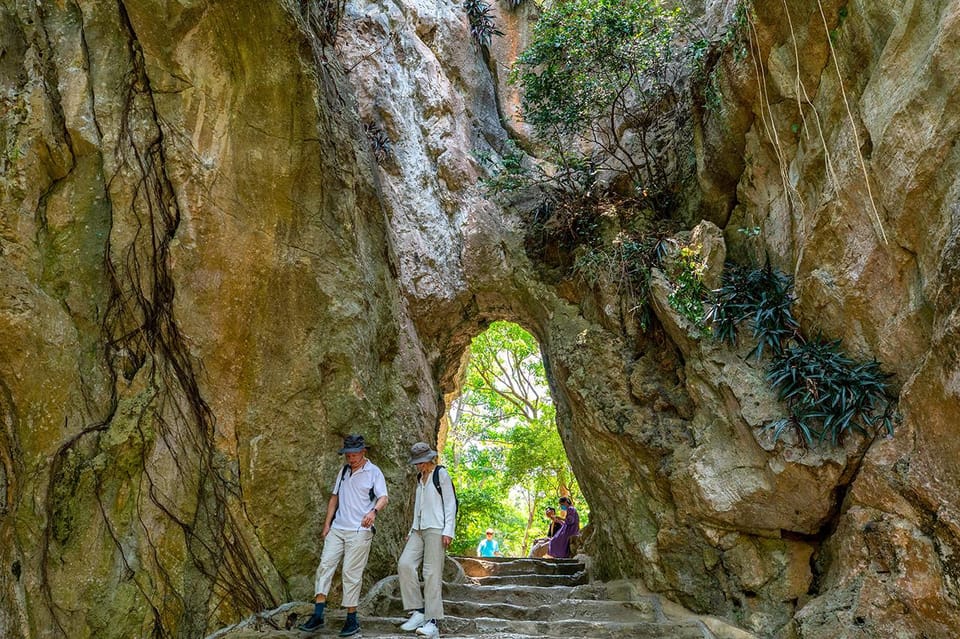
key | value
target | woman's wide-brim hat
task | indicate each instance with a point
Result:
(421, 452)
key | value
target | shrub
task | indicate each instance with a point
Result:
(627, 262)
(828, 393)
(482, 25)
(762, 296)
(686, 274)
(596, 69)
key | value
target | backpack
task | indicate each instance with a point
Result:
(436, 484)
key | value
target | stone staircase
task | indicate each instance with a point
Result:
(510, 598)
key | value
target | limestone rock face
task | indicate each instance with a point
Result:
(225, 243)
(851, 178)
(197, 305)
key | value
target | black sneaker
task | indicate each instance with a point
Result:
(350, 627)
(313, 624)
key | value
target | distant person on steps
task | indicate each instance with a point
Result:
(560, 542)
(488, 546)
(539, 548)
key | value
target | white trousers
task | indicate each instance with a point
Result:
(353, 546)
(426, 546)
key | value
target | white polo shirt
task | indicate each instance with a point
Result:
(354, 494)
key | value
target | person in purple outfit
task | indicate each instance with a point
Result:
(560, 542)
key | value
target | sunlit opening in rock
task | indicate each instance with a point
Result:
(502, 445)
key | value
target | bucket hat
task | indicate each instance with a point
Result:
(421, 452)
(353, 444)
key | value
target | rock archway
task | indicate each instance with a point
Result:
(320, 288)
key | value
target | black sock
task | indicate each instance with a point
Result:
(351, 615)
(318, 609)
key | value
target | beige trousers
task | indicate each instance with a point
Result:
(354, 547)
(425, 545)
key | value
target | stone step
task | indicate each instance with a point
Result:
(518, 595)
(575, 579)
(559, 627)
(637, 611)
(646, 609)
(272, 625)
(488, 627)
(474, 567)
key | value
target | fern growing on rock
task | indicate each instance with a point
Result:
(828, 394)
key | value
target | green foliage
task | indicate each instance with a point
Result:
(737, 34)
(503, 448)
(842, 15)
(761, 296)
(482, 25)
(686, 274)
(586, 54)
(596, 68)
(626, 262)
(828, 393)
(324, 17)
(380, 144)
(507, 172)
(557, 227)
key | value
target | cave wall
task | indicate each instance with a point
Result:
(225, 244)
(864, 213)
(197, 305)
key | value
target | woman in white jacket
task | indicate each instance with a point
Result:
(434, 520)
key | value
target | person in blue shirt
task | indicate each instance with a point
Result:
(488, 547)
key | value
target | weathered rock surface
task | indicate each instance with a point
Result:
(224, 245)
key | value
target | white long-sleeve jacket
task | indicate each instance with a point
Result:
(429, 510)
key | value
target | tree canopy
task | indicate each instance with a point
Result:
(598, 69)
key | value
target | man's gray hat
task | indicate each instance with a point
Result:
(421, 452)
(353, 444)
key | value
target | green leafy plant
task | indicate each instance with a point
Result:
(324, 17)
(686, 274)
(380, 144)
(761, 296)
(597, 69)
(507, 172)
(828, 393)
(482, 25)
(626, 262)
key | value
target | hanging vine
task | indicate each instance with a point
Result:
(172, 423)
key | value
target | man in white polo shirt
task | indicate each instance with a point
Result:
(359, 493)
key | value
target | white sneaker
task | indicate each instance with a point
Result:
(415, 621)
(429, 630)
